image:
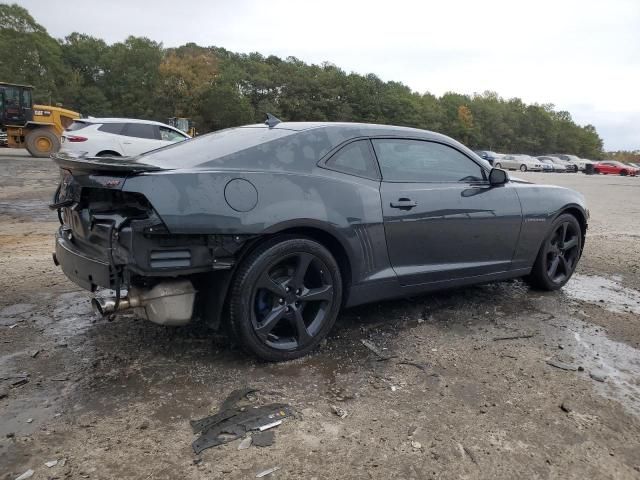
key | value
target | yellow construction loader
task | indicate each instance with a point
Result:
(34, 127)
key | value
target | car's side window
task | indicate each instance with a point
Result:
(170, 135)
(141, 130)
(355, 158)
(115, 128)
(403, 160)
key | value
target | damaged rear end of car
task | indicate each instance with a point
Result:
(112, 238)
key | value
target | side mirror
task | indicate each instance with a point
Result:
(497, 176)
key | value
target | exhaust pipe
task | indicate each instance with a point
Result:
(167, 303)
(106, 306)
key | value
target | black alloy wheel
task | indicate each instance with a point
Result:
(559, 254)
(285, 299)
(523, 168)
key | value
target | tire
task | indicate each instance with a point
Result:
(560, 250)
(596, 171)
(285, 298)
(498, 165)
(523, 168)
(41, 143)
(624, 173)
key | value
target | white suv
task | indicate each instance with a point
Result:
(118, 137)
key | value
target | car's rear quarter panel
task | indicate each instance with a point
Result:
(346, 207)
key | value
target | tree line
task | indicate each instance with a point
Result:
(218, 89)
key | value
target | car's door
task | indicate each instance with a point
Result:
(442, 219)
(508, 162)
(138, 138)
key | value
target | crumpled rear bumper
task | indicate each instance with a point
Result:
(81, 269)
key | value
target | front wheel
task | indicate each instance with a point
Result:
(558, 255)
(523, 168)
(498, 165)
(285, 298)
(624, 173)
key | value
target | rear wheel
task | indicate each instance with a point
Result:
(624, 173)
(285, 298)
(108, 153)
(523, 168)
(558, 255)
(42, 143)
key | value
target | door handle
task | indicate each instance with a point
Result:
(404, 203)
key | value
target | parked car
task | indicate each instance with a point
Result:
(635, 165)
(547, 165)
(519, 162)
(273, 228)
(611, 167)
(487, 155)
(117, 137)
(580, 162)
(557, 166)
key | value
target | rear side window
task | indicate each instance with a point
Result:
(355, 159)
(421, 161)
(115, 128)
(141, 130)
(77, 125)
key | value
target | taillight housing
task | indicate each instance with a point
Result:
(75, 138)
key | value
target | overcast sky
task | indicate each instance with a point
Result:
(581, 55)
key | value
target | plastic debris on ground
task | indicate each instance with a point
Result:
(232, 421)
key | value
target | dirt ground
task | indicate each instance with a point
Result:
(458, 398)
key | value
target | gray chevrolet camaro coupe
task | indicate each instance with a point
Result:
(271, 229)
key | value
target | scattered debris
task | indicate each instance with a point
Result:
(3, 394)
(566, 406)
(515, 337)
(416, 445)
(470, 453)
(233, 422)
(598, 375)
(393, 388)
(35, 353)
(505, 355)
(264, 439)
(29, 420)
(144, 425)
(383, 356)
(13, 326)
(63, 462)
(245, 442)
(413, 364)
(412, 430)
(19, 383)
(262, 428)
(339, 411)
(266, 472)
(562, 365)
(28, 474)
(51, 463)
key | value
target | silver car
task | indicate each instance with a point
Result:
(518, 162)
(557, 164)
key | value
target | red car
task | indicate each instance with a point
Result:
(615, 168)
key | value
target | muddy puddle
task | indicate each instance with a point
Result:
(606, 292)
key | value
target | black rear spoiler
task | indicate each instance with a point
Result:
(116, 165)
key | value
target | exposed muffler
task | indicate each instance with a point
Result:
(167, 303)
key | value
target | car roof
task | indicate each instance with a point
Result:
(369, 129)
(120, 120)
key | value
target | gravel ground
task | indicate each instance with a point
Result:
(469, 391)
